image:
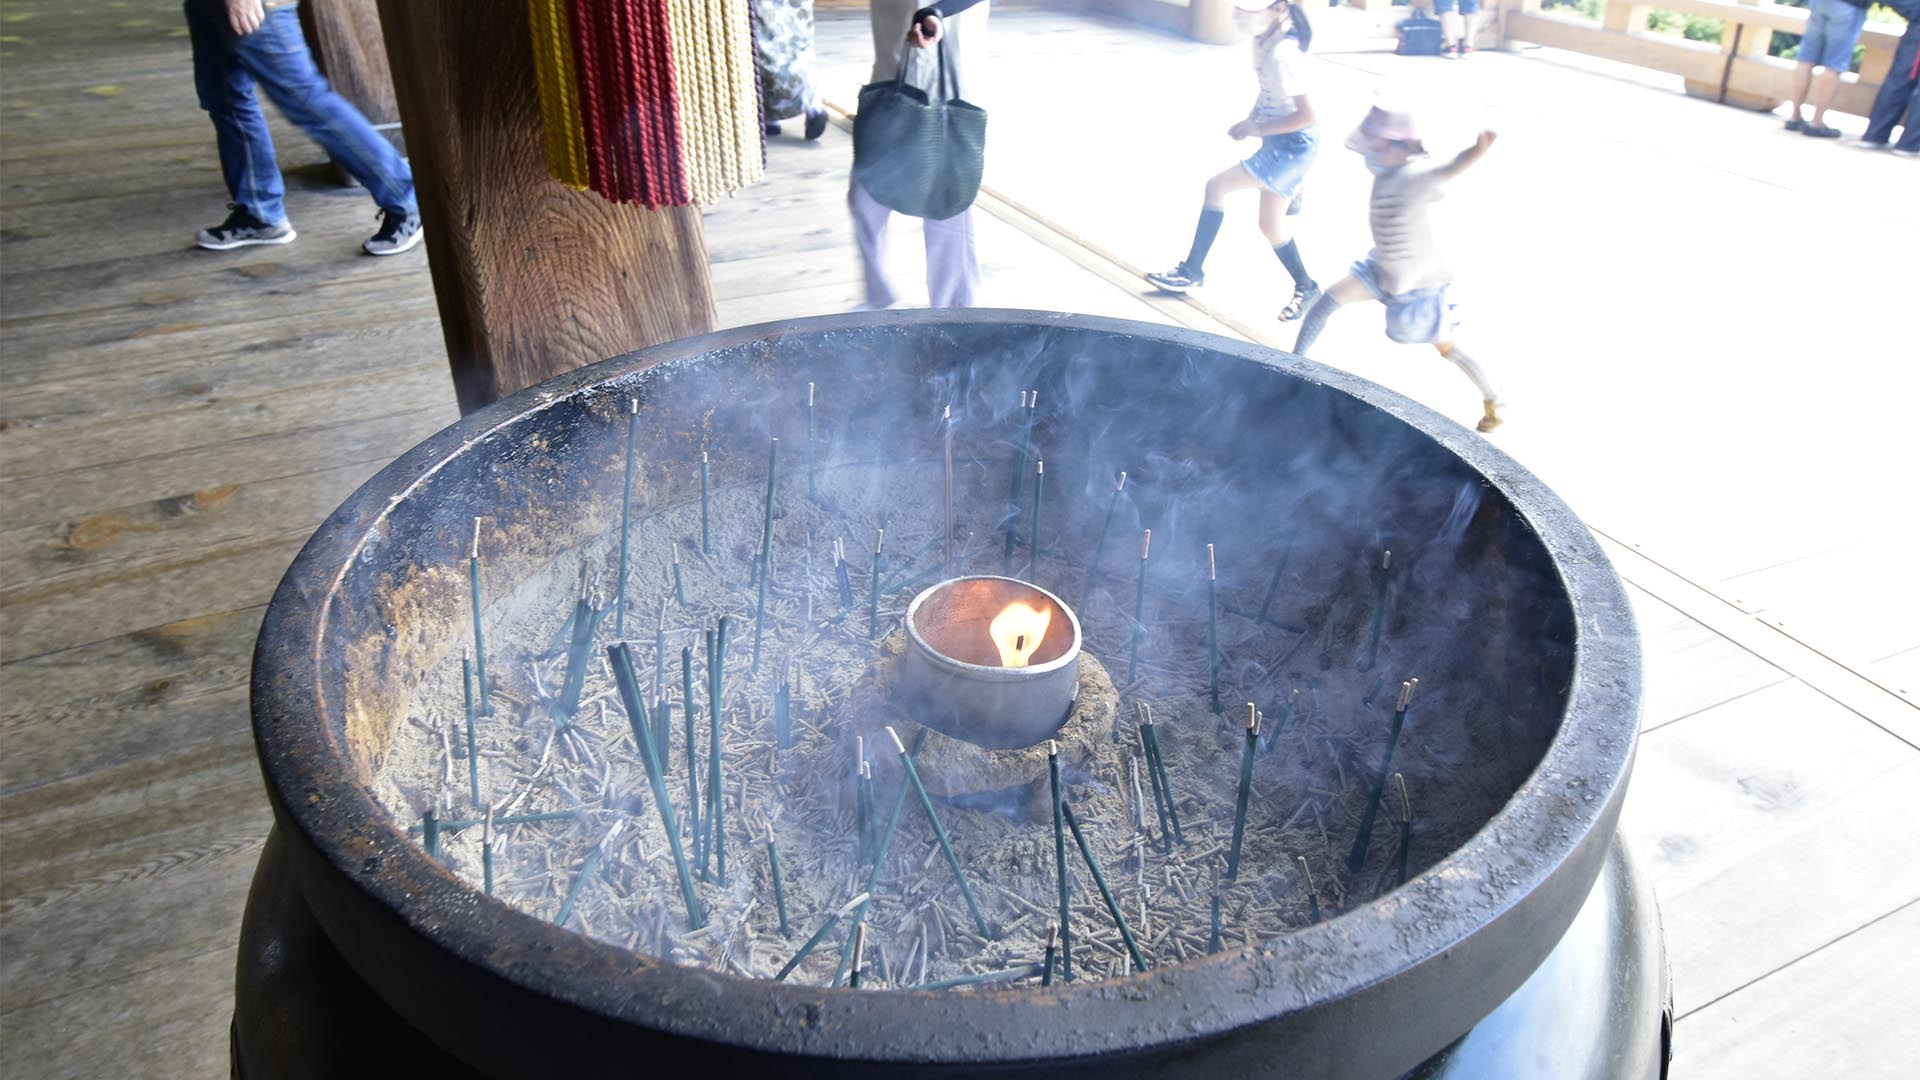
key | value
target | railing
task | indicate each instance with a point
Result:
(1737, 71)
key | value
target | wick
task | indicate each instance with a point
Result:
(1146, 543)
(1020, 643)
(1210, 573)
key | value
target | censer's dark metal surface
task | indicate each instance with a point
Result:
(353, 933)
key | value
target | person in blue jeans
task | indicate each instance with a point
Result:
(241, 45)
(1456, 30)
(1833, 27)
(1898, 103)
(1283, 120)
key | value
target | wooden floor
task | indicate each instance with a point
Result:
(174, 423)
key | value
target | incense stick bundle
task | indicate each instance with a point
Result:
(626, 522)
(1100, 879)
(1246, 789)
(1060, 860)
(620, 657)
(579, 655)
(1213, 933)
(940, 834)
(1100, 545)
(430, 833)
(1139, 605)
(859, 949)
(879, 859)
(1046, 970)
(1272, 737)
(1157, 772)
(1358, 856)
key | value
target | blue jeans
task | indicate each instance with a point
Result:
(227, 68)
(1898, 104)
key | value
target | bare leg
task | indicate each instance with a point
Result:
(1823, 86)
(1273, 218)
(1233, 178)
(1466, 29)
(1802, 77)
(1449, 28)
(1489, 393)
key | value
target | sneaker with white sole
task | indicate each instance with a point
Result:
(398, 232)
(1177, 280)
(242, 229)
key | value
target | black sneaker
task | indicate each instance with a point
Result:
(398, 232)
(1177, 280)
(242, 229)
(816, 123)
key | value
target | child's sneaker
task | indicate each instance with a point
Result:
(1492, 419)
(1177, 280)
(398, 232)
(242, 229)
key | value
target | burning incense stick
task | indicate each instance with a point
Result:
(1213, 632)
(813, 493)
(587, 868)
(1280, 568)
(663, 706)
(1272, 738)
(1157, 772)
(479, 640)
(473, 748)
(779, 888)
(1358, 856)
(859, 948)
(819, 935)
(1100, 545)
(783, 709)
(430, 834)
(486, 853)
(679, 582)
(1213, 933)
(1379, 609)
(1139, 605)
(626, 522)
(863, 807)
(1313, 894)
(1406, 828)
(840, 571)
(879, 858)
(579, 655)
(1039, 485)
(940, 834)
(621, 658)
(1060, 860)
(1246, 789)
(716, 811)
(980, 978)
(1028, 400)
(1046, 969)
(1100, 879)
(766, 551)
(946, 438)
(706, 516)
(693, 772)
(873, 598)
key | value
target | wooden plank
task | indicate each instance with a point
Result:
(1687, 667)
(1846, 1010)
(162, 1023)
(1797, 597)
(1770, 825)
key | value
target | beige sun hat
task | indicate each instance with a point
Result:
(1383, 126)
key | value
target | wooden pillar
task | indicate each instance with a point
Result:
(349, 50)
(533, 278)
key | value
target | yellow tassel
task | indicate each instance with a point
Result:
(553, 69)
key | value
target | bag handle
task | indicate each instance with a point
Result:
(946, 84)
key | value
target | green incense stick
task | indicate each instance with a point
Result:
(473, 748)
(1159, 763)
(1273, 584)
(1213, 935)
(1153, 775)
(1039, 485)
(940, 834)
(626, 522)
(766, 551)
(812, 492)
(1046, 969)
(820, 935)
(859, 950)
(1286, 713)
(1246, 790)
(486, 853)
(1313, 894)
(1139, 605)
(679, 580)
(779, 889)
(621, 658)
(430, 834)
(1358, 856)
(706, 514)
(873, 598)
(1406, 828)
(1379, 609)
(479, 639)
(587, 867)
(1100, 879)
(1100, 545)
(879, 859)
(1213, 632)
(1060, 860)
(693, 772)
(579, 655)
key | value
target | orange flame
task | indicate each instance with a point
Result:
(1017, 631)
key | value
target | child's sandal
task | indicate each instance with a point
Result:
(1302, 299)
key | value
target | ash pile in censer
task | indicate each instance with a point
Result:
(1010, 672)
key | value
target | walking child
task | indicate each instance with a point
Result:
(1284, 123)
(1405, 270)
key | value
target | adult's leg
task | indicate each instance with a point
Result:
(239, 127)
(953, 266)
(870, 236)
(1802, 78)
(1821, 95)
(276, 55)
(1896, 91)
(1345, 291)
(1910, 124)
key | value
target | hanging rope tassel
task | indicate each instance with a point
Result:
(559, 100)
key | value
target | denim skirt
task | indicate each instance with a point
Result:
(1282, 161)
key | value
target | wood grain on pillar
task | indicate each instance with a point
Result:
(533, 278)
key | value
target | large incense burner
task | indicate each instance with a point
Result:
(958, 693)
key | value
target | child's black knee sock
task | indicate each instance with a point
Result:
(1203, 234)
(1310, 325)
(1289, 254)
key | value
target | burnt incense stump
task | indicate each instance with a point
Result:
(961, 693)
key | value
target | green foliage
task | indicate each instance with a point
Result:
(1586, 9)
(1691, 27)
